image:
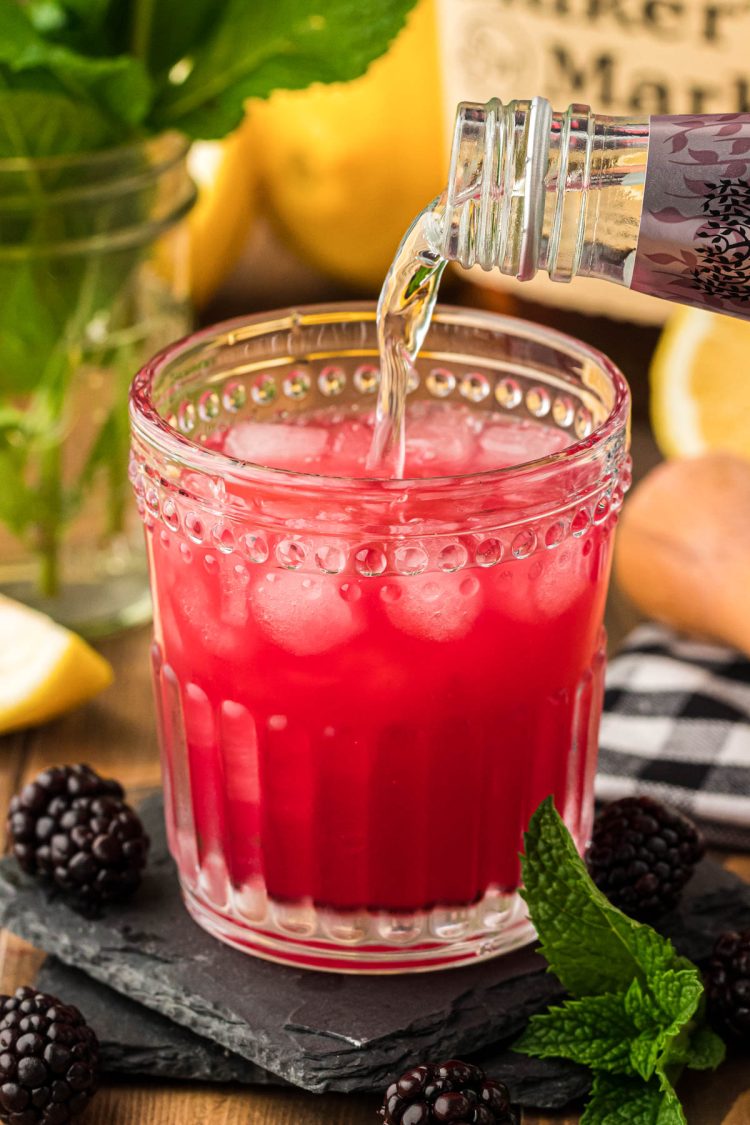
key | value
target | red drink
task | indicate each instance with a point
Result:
(365, 688)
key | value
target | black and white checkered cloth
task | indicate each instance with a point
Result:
(676, 727)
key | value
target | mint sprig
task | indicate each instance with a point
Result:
(636, 1013)
(170, 64)
(626, 1101)
(78, 76)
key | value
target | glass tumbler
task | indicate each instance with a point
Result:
(366, 687)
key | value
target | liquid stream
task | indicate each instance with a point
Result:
(405, 308)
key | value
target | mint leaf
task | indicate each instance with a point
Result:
(637, 1017)
(641, 1006)
(661, 1012)
(35, 123)
(80, 24)
(589, 944)
(647, 1048)
(703, 1050)
(265, 45)
(178, 30)
(120, 85)
(627, 1101)
(596, 1032)
(623, 1034)
(121, 58)
(678, 993)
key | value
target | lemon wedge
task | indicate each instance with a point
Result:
(44, 668)
(700, 385)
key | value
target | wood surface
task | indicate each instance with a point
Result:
(116, 735)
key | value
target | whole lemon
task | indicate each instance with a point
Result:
(345, 168)
(224, 173)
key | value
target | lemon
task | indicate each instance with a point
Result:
(224, 173)
(44, 668)
(345, 168)
(700, 385)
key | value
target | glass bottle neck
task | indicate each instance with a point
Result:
(530, 189)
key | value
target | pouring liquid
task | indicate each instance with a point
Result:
(405, 308)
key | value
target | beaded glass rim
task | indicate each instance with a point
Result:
(156, 432)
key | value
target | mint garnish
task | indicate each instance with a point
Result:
(636, 1013)
(625, 1101)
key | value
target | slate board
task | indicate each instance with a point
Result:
(320, 1031)
(136, 1041)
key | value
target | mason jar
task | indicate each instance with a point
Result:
(93, 276)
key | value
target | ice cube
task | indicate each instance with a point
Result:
(203, 603)
(302, 613)
(279, 445)
(194, 606)
(505, 441)
(435, 607)
(349, 446)
(542, 587)
(440, 440)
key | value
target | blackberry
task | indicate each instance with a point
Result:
(641, 856)
(452, 1091)
(72, 829)
(49, 1059)
(728, 984)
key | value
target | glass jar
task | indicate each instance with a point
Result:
(93, 276)
(365, 687)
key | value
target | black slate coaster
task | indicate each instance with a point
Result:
(136, 1041)
(320, 1031)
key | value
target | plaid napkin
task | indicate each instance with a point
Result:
(676, 727)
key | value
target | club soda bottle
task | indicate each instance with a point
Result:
(658, 204)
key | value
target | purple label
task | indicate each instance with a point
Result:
(694, 241)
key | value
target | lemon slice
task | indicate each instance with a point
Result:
(44, 668)
(700, 385)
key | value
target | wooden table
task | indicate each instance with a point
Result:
(116, 735)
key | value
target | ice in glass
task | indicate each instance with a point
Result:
(365, 686)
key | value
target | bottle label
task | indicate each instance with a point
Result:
(694, 240)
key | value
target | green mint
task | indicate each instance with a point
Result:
(625, 1101)
(149, 65)
(701, 1050)
(118, 85)
(78, 76)
(261, 47)
(636, 1013)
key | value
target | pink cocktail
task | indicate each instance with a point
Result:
(366, 687)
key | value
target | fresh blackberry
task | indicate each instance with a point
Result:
(728, 984)
(452, 1091)
(641, 856)
(49, 1059)
(72, 829)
